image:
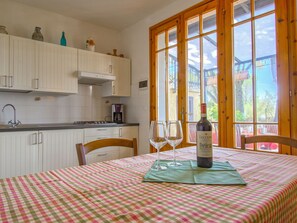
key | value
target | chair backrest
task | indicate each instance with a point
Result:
(82, 150)
(267, 138)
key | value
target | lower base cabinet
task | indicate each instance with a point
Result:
(27, 152)
(58, 148)
(110, 153)
(19, 154)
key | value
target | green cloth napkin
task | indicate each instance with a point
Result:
(221, 173)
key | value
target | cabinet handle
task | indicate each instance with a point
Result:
(113, 88)
(120, 132)
(40, 138)
(34, 139)
(102, 154)
(101, 129)
(110, 68)
(11, 81)
(5, 81)
(36, 83)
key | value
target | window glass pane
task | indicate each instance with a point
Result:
(161, 41)
(209, 21)
(243, 129)
(193, 27)
(172, 37)
(192, 133)
(215, 133)
(193, 77)
(266, 72)
(267, 130)
(172, 84)
(263, 6)
(210, 75)
(161, 82)
(241, 10)
(242, 74)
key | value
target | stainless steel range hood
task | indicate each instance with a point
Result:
(94, 78)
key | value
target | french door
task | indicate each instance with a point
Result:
(232, 55)
(184, 70)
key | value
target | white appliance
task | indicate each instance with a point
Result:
(94, 78)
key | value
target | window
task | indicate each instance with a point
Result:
(230, 55)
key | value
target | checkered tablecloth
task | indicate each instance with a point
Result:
(113, 191)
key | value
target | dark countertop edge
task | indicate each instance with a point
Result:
(39, 127)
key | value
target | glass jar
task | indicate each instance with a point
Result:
(3, 30)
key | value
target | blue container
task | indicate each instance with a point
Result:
(63, 41)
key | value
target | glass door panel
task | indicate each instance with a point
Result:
(254, 71)
(201, 71)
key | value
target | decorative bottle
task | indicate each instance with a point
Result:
(204, 140)
(37, 35)
(63, 41)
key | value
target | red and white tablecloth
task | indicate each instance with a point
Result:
(113, 191)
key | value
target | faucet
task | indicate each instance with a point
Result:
(15, 122)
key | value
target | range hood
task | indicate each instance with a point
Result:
(94, 78)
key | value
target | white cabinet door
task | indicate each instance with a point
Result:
(4, 61)
(94, 62)
(128, 132)
(22, 63)
(121, 87)
(19, 154)
(56, 68)
(59, 148)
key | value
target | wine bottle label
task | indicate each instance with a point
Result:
(204, 143)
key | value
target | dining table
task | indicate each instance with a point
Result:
(114, 191)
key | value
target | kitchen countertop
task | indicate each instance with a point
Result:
(59, 126)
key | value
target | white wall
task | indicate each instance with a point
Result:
(41, 108)
(21, 20)
(136, 45)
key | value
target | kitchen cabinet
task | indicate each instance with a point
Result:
(122, 85)
(95, 62)
(4, 61)
(22, 63)
(19, 154)
(56, 68)
(109, 153)
(58, 148)
(127, 132)
(29, 65)
(26, 152)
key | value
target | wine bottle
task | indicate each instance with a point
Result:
(204, 140)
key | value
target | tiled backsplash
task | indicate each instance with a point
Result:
(46, 108)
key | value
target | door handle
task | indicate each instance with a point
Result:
(40, 138)
(110, 68)
(5, 81)
(11, 82)
(36, 83)
(34, 139)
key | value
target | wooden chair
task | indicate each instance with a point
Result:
(82, 150)
(268, 138)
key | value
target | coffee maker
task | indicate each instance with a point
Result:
(117, 113)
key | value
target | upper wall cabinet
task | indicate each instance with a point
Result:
(121, 86)
(56, 68)
(22, 68)
(4, 61)
(29, 65)
(95, 62)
